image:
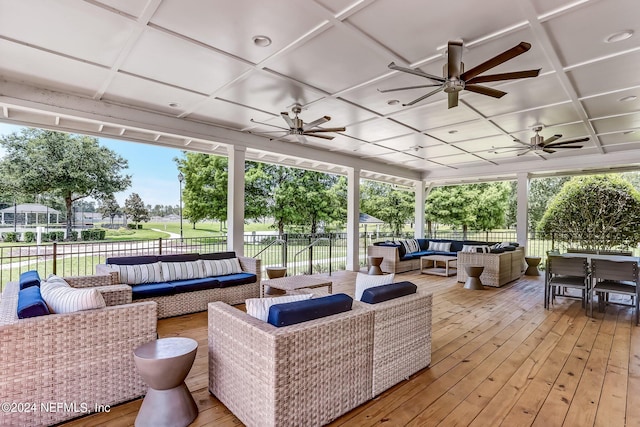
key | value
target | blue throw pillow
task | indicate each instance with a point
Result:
(387, 292)
(30, 303)
(29, 278)
(303, 311)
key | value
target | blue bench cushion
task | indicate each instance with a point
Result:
(150, 290)
(236, 279)
(387, 292)
(218, 255)
(303, 311)
(189, 285)
(29, 278)
(132, 260)
(31, 303)
(179, 257)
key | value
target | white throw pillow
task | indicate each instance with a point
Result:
(220, 267)
(62, 298)
(259, 307)
(365, 281)
(139, 273)
(181, 270)
(440, 246)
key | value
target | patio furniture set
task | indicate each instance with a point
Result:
(595, 276)
(333, 361)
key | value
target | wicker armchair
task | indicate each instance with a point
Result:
(305, 374)
(80, 359)
(401, 339)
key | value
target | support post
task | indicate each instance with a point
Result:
(522, 215)
(235, 199)
(418, 228)
(353, 219)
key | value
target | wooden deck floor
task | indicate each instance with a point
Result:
(498, 358)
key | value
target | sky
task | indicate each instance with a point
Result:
(154, 174)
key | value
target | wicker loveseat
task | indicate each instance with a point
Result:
(179, 297)
(61, 366)
(304, 374)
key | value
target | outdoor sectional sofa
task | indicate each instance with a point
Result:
(186, 283)
(81, 359)
(312, 372)
(501, 265)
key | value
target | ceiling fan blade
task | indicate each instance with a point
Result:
(484, 90)
(318, 136)
(393, 66)
(268, 124)
(433, 92)
(454, 59)
(326, 130)
(546, 150)
(555, 147)
(505, 76)
(406, 88)
(301, 139)
(561, 143)
(549, 140)
(453, 99)
(315, 123)
(496, 60)
(524, 152)
(287, 119)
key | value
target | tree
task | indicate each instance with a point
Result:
(393, 206)
(70, 166)
(594, 212)
(109, 207)
(135, 209)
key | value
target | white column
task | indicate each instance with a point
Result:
(419, 188)
(353, 219)
(522, 214)
(235, 200)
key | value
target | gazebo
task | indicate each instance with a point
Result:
(26, 209)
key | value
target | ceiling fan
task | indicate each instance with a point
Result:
(299, 129)
(549, 145)
(456, 79)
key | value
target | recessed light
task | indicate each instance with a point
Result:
(174, 105)
(453, 131)
(618, 37)
(628, 98)
(393, 102)
(262, 41)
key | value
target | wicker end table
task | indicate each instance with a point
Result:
(473, 280)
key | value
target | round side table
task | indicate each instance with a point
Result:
(473, 280)
(163, 365)
(374, 265)
(532, 265)
(275, 273)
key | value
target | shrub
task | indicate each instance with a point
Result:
(53, 236)
(73, 237)
(131, 226)
(94, 234)
(10, 237)
(29, 236)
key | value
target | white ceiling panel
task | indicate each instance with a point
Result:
(601, 18)
(231, 26)
(21, 63)
(549, 116)
(98, 61)
(70, 27)
(609, 75)
(344, 64)
(181, 63)
(145, 94)
(464, 131)
(612, 124)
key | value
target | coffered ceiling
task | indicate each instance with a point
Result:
(188, 74)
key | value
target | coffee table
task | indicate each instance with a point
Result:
(445, 260)
(292, 283)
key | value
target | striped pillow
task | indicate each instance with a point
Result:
(62, 298)
(220, 267)
(181, 270)
(139, 273)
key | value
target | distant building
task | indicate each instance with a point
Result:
(29, 213)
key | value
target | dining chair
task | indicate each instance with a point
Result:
(564, 273)
(615, 277)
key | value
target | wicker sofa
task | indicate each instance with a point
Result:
(66, 364)
(499, 269)
(304, 374)
(177, 300)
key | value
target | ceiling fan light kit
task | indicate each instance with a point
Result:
(455, 79)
